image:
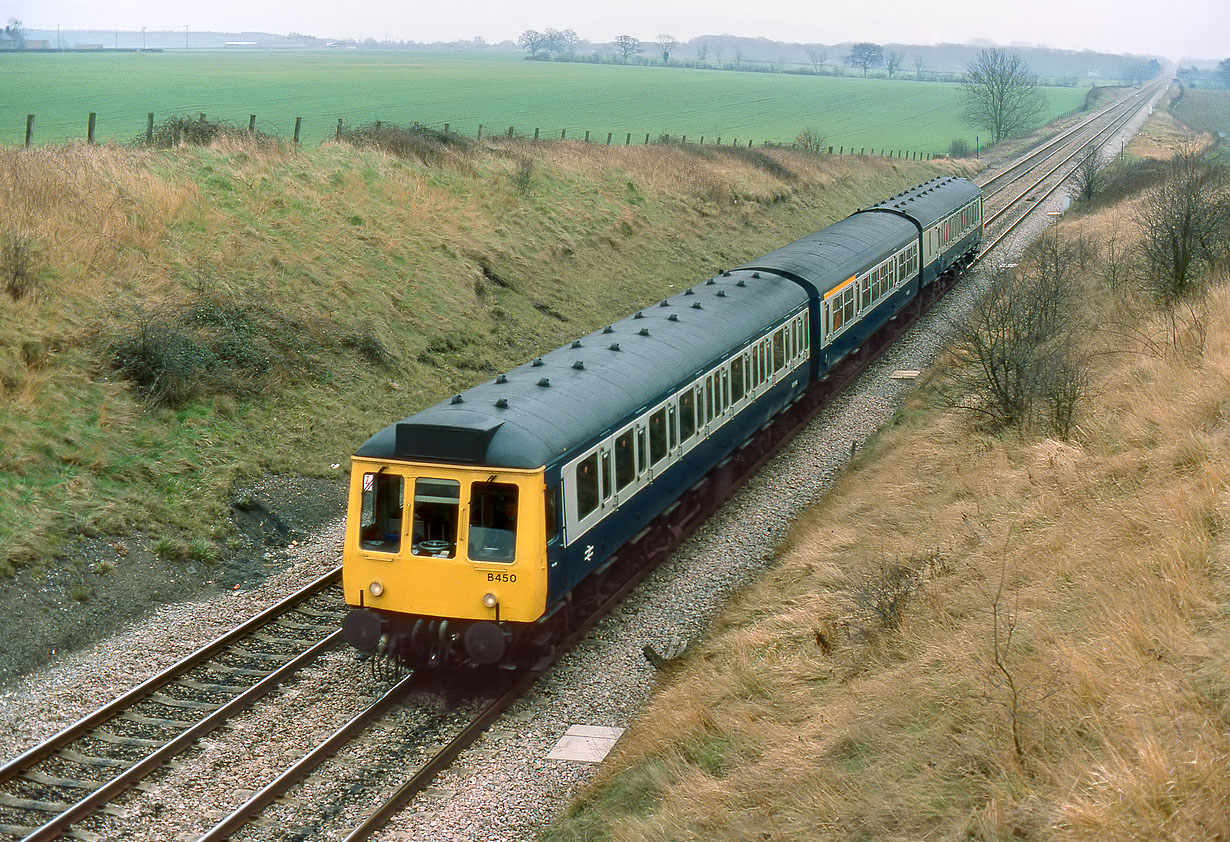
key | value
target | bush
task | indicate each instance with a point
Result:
(959, 148)
(17, 257)
(811, 140)
(197, 131)
(429, 146)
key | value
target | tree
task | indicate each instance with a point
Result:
(532, 40)
(1000, 94)
(1183, 222)
(920, 64)
(627, 46)
(818, 57)
(1223, 70)
(865, 55)
(666, 43)
(892, 62)
(702, 52)
(17, 32)
(561, 41)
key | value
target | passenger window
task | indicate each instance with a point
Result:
(657, 436)
(736, 380)
(380, 523)
(606, 474)
(493, 521)
(672, 430)
(642, 459)
(625, 461)
(779, 349)
(687, 415)
(436, 504)
(708, 398)
(724, 394)
(587, 485)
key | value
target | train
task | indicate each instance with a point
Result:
(473, 525)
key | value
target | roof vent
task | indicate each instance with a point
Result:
(457, 399)
(644, 331)
(614, 346)
(742, 283)
(579, 365)
(638, 315)
(538, 362)
(721, 293)
(696, 306)
(664, 303)
(502, 403)
(674, 317)
(690, 291)
(577, 344)
(755, 274)
(608, 329)
(725, 274)
(501, 378)
(711, 282)
(544, 382)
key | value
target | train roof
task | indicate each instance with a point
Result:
(831, 255)
(930, 201)
(545, 409)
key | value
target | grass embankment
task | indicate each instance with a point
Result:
(1061, 667)
(280, 306)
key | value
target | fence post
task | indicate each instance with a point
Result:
(510, 131)
(480, 132)
(646, 138)
(830, 150)
(587, 136)
(862, 150)
(535, 134)
(29, 130)
(563, 133)
(749, 144)
(298, 123)
(628, 142)
(735, 142)
(608, 138)
(202, 116)
(251, 124)
(685, 139)
(702, 140)
(149, 128)
(89, 134)
(719, 140)
(446, 128)
(339, 128)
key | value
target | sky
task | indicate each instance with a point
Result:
(1177, 29)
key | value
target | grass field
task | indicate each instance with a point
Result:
(1205, 111)
(61, 91)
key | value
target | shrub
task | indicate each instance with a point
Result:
(17, 258)
(811, 140)
(429, 146)
(197, 131)
(959, 148)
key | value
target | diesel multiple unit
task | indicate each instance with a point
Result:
(471, 523)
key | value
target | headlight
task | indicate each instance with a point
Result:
(491, 600)
(376, 588)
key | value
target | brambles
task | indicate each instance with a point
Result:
(17, 257)
(198, 131)
(429, 146)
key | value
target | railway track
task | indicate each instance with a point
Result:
(53, 788)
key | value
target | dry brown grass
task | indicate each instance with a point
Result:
(1108, 556)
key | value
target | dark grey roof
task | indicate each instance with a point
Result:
(831, 255)
(932, 200)
(588, 388)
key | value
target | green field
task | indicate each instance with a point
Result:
(1205, 111)
(496, 92)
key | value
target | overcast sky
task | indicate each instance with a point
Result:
(1177, 29)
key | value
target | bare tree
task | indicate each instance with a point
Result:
(818, 57)
(893, 60)
(1183, 223)
(1000, 94)
(702, 51)
(1223, 70)
(532, 40)
(865, 55)
(17, 31)
(920, 64)
(666, 43)
(717, 54)
(1089, 176)
(561, 41)
(627, 46)
(811, 140)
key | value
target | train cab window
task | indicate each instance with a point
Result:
(436, 503)
(625, 460)
(381, 520)
(687, 414)
(587, 485)
(493, 521)
(736, 380)
(657, 436)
